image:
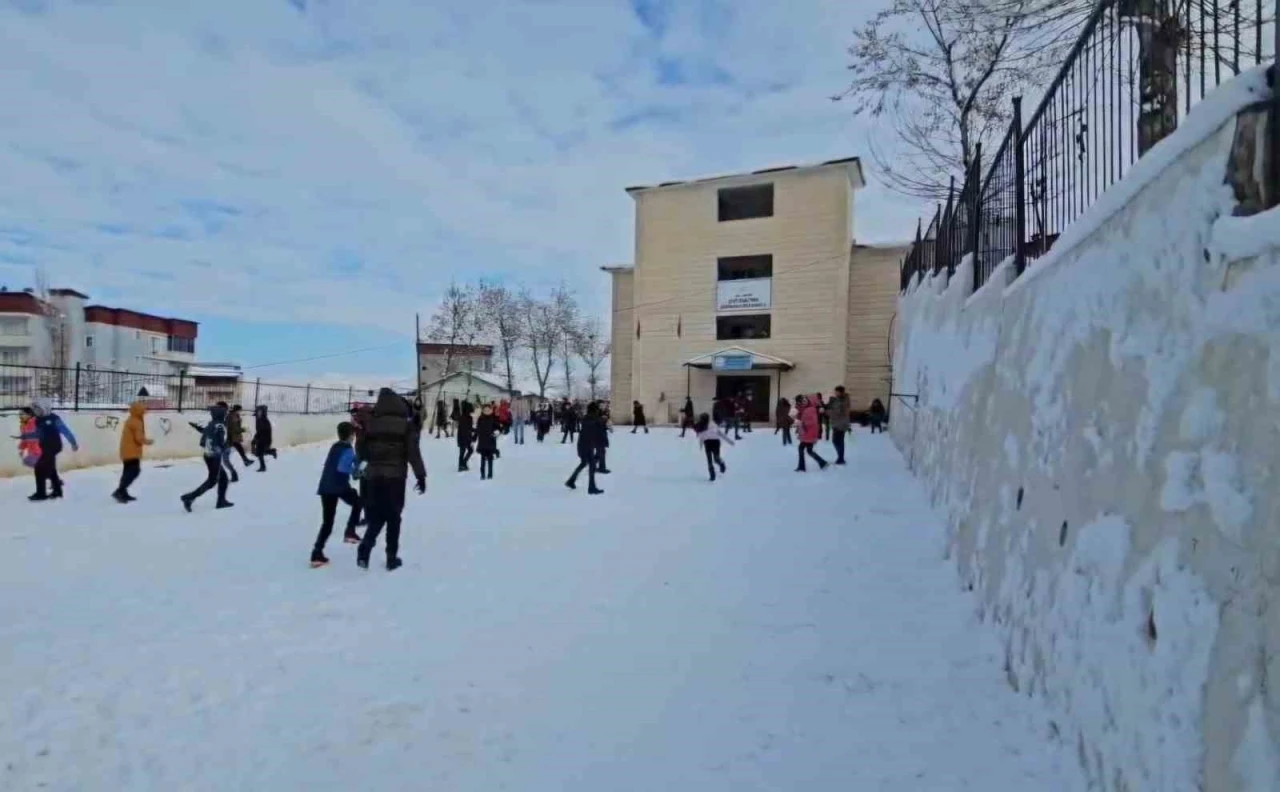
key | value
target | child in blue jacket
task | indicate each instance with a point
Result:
(335, 485)
(49, 431)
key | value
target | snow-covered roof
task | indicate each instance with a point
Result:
(758, 359)
(487, 377)
(851, 164)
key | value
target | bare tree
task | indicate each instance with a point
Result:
(540, 333)
(943, 73)
(501, 313)
(568, 324)
(592, 344)
(455, 324)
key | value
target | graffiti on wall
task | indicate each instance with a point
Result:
(107, 422)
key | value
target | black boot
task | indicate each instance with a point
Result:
(318, 559)
(187, 500)
(394, 563)
(225, 504)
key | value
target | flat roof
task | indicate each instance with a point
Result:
(852, 164)
(618, 268)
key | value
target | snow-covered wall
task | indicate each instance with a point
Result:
(1104, 437)
(99, 436)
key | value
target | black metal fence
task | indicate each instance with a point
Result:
(1135, 71)
(82, 388)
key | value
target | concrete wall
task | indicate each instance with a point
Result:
(1104, 437)
(874, 276)
(623, 334)
(99, 437)
(678, 240)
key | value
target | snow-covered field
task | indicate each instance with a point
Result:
(771, 631)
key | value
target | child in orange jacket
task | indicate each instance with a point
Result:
(133, 438)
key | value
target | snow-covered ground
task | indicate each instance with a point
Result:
(773, 631)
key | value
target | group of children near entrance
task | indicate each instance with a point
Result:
(379, 446)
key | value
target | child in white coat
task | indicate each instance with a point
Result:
(710, 436)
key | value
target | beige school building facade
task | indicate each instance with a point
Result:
(752, 283)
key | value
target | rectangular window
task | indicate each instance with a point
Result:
(155, 345)
(13, 325)
(744, 267)
(745, 203)
(736, 328)
(13, 356)
(187, 345)
(88, 342)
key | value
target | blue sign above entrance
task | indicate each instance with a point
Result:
(731, 363)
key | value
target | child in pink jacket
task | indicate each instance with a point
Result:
(810, 432)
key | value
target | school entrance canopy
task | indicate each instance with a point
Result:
(735, 359)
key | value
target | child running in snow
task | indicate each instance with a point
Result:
(213, 442)
(49, 431)
(133, 439)
(710, 436)
(335, 485)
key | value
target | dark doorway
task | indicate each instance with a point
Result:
(759, 409)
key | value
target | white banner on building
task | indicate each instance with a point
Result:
(751, 294)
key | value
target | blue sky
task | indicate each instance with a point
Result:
(301, 176)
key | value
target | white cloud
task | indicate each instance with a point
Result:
(245, 160)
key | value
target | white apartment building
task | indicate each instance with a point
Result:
(63, 331)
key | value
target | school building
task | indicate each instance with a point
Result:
(752, 283)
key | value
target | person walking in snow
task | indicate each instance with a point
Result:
(838, 421)
(543, 421)
(386, 450)
(686, 416)
(465, 435)
(133, 439)
(638, 420)
(262, 438)
(441, 419)
(50, 431)
(602, 465)
(783, 420)
(820, 404)
(709, 437)
(213, 442)
(569, 421)
(335, 485)
(877, 416)
(591, 440)
(488, 425)
(519, 417)
(810, 432)
(235, 434)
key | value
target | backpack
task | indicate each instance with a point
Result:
(214, 439)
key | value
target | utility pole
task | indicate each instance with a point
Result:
(417, 365)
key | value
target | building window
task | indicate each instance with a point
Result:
(13, 325)
(88, 342)
(155, 345)
(187, 345)
(137, 335)
(743, 267)
(745, 203)
(13, 356)
(736, 328)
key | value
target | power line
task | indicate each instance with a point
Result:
(325, 357)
